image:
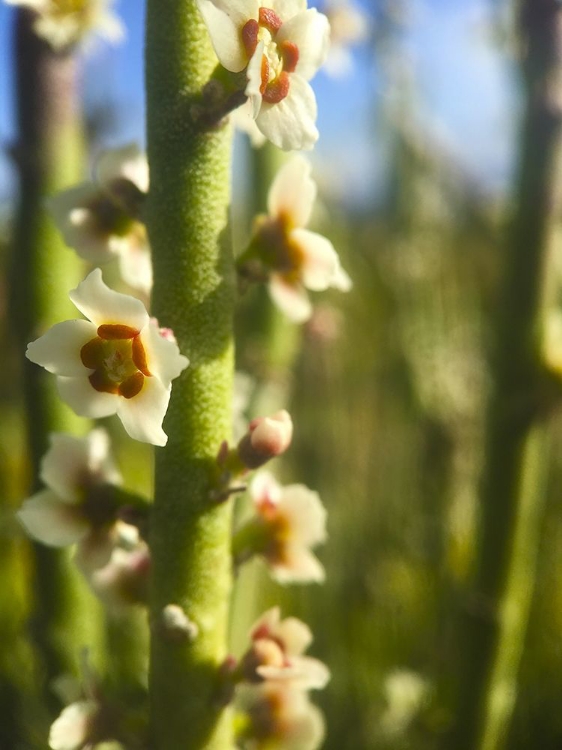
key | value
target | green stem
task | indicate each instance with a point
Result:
(269, 344)
(187, 219)
(48, 155)
(492, 633)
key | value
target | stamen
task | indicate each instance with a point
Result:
(132, 385)
(100, 382)
(270, 20)
(290, 55)
(277, 90)
(139, 356)
(111, 332)
(250, 32)
(92, 353)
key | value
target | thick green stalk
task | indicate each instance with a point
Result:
(187, 219)
(495, 619)
(48, 154)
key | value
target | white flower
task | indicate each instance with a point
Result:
(116, 362)
(295, 258)
(74, 727)
(289, 521)
(99, 218)
(281, 46)
(65, 22)
(349, 25)
(77, 505)
(279, 718)
(276, 653)
(123, 582)
(406, 692)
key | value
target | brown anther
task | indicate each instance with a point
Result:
(91, 354)
(290, 55)
(112, 332)
(139, 356)
(250, 36)
(270, 20)
(100, 382)
(132, 385)
(277, 90)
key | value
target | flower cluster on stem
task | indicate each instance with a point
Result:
(117, 360)
(280, 46)
(284, 253)
(272, 680)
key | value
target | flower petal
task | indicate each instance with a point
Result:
(305, 513)
(238, 11)
(303, 673)
(52, 521)
(135, 265)
(162, 355)
(143, 414)
(320, 260)
(72, 729)
(310, 31)
(290, 124)
(224, 27)
(79, 394)
(80, 229)
(253, 85)
(265, 488)
(293, 192)
(70, 460)
(82, 233)
(95, 550)
(102, 305)
(128, 163)
(341, 280)
(291, 299)
(286, 9)
(299, 565)
(295, 635)
(58, 350)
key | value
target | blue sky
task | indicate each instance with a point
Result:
(464, 89)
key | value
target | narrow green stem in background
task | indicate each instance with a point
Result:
(48, 155)
(495, 620)
(269, 344)
(187, 219)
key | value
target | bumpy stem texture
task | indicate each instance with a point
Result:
(514, 470)
(187, 218)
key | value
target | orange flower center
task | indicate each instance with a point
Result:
(278, 59)
(118, 360)
(278, 250)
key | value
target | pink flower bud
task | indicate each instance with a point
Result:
(266, 438)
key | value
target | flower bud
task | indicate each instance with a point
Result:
(266, 438)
